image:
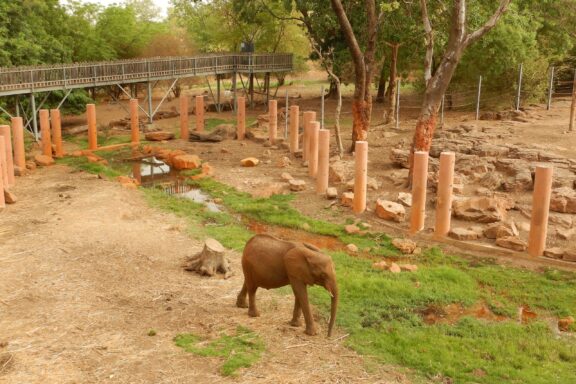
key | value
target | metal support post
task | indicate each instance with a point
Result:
(550, 88)
(398, 83)
(442, 110)
(34, 117)
(478, 98)
(322, 108)
(150, 112)
(520, 73)
(235, 97)
(218, 93)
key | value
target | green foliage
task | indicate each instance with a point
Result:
(241, 350)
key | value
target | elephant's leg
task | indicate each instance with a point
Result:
(295, 322)
(301, 293)
(241, 300)
(252, 311)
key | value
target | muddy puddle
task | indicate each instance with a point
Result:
(320, 241)
(451, 313)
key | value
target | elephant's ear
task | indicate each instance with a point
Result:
(298, 265)
(318, 264)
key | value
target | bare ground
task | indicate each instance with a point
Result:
(87, 268)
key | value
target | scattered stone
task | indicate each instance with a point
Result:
(186, 162)
(331, 193)
(267, 153)
(498, 230)
(297, 185)
(20, 171)
(570, 255)
(408, 267)
(79, 153)
(286, 176)
(561, 220)
(566, 234)
(458, 189)
(389, 210)
(480, 209)
(225, 150)
(249, 162)
(283, 162)
(371, 183)
(306, 226)
(463, 234)
(405, 199)
(352, 248)
(554, 253)
(347, 199)
(565, 323)
(395, 268)
(9, 197)
(42, 160)
(563, 200)
(159, 136)
(400, 158)
(340, 171)
(265, 191)
(351, 229)
(380, 265)
(128, 182)
(512, 242)
(406, 246)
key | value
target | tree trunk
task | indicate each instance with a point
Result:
(381, 86)
(210, 260)
(390, 102)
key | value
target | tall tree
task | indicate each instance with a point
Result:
(438, 81)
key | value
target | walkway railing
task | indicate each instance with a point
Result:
(27, 79)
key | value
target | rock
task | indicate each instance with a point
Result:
(523, 226)
(286, 176)
(249, 162)
(398, 177)
(331, 193)
(371, 183)
(498, 230)
(570, 255)
(306, 226)
(283, 162)
(380, 265)
(19, 172)
(267, 153)
(347, 199)
(340, 171)
(352, 248)
(170, 155)
(458, 188)
(400, 158)
(389, 210)
(554, 253)
(511, 242)
(405, 199)
(43, 160)
(395, 268)
(566, 234)
(408, 267)
(521, 182)
(561, 220)
(406, 246)
(297, 185)
(265, 191)
(31, 165)
(159, 136)
(9, 197)
(563, 200)
(351, 229)
(480, 209)
(491, 150)
(492, 180)
(463, 234)
(565, 323)
(186, 162)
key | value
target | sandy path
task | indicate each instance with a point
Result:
(87, 268)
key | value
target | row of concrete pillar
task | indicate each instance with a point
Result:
(12, 154)
(199, 113)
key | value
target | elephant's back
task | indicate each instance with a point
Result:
(262, 259)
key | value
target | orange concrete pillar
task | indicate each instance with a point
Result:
(134, 122)
(45, 132)
(18, 137)
(272, 121)
(5, 132)
(184, 117)
(3, 173)
(241, 116)
(137, 172)
(199, 113)
(313, 144)
(307, 118)
(56, 124)
(540, 210)
(294, 124)
(360, 176)
(419, 182)
(444, 199)
(92, 132)
(323, 161)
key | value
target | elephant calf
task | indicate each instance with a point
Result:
(268, 262)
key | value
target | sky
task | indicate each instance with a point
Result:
(161, 4)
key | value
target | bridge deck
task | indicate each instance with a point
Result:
(28, 79)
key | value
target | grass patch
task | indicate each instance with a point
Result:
(103, 140)
(211, 123)
(241, 350)
(83, 164)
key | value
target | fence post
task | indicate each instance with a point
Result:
(286, 116)
(478, 98)
(398, 103)
(419, 182)
(520, 73)
(573, 105)
(550, 89)
(540, 210)
(360, 176)
(444, 199)
(442, 112)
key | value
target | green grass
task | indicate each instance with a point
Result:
(103, 140)
(83, 164)
(211, 123)
(241, 350)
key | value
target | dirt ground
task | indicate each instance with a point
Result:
(87, 268)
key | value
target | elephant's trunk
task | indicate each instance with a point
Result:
(333, 308)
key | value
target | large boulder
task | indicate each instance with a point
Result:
(463, 234)
(480, 209)
(502, 229)
(563, 200)
(43, 160)
(512, 242)
(400, 158)
(341, 171)
(389, 210)
(159, 136)
(181, 162)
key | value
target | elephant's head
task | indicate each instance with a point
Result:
(315, 268)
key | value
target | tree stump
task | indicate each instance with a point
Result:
(210, 260)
